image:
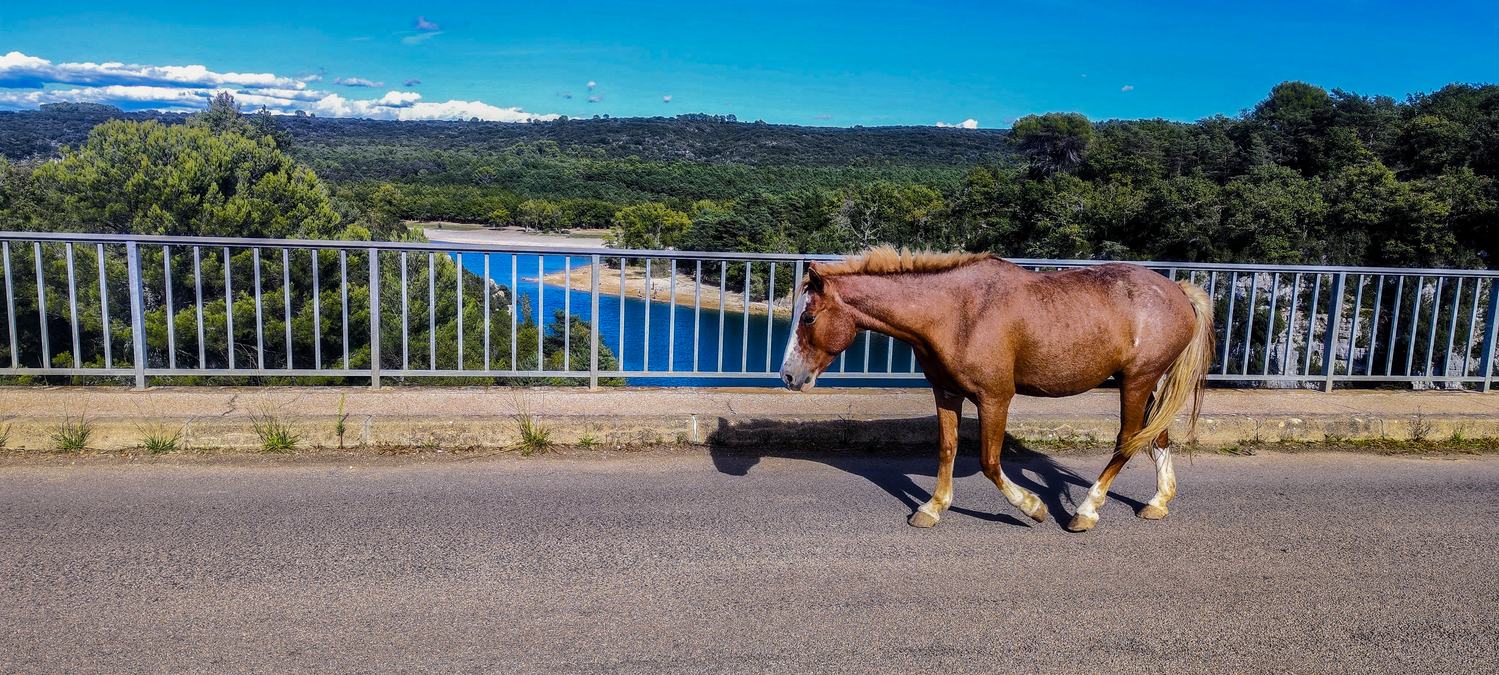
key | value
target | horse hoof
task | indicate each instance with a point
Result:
(1081, 523)
(1153, 512)
(923, 519)
(1039, 515)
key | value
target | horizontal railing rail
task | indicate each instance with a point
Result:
(185, 309)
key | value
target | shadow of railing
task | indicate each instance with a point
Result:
(894, 453)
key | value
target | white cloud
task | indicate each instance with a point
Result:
(27, 81)
(357, 82)
(423, 24)
(1127, 87)
(407, 105)
(595, 98)
(19, 70)
(592, 84)
(131, 96)
(666, 98)
(969, 123)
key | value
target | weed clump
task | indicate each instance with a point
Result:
(72, 434)
(275, 434)
(534, 436)
(160, 441)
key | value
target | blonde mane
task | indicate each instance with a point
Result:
(887, 260)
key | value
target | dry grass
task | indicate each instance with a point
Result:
(160, 440)
(275, 434)
(72, 435)
(535, 437)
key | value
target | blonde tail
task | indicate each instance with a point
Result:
(1184, 380)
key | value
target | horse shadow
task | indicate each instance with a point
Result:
(893, 453)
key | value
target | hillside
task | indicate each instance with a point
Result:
(697, 138)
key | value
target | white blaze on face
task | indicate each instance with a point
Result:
(795, 358)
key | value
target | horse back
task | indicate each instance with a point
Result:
(1070, 330)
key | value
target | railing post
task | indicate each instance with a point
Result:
(593, 318)
(1330, 337)
(1486, 364)
(137, 312)
(374, 318)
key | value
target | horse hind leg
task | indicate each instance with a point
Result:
(1133, 400)
(1165, 479)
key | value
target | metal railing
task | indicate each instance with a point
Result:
(182, 308)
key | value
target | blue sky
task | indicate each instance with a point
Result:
(871, 63)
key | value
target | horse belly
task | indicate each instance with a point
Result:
(1068, 363)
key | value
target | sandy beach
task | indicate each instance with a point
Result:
(472, 234)
(660, 291)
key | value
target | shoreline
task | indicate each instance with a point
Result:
(634, 287)
(512, 236)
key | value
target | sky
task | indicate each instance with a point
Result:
(830, 64)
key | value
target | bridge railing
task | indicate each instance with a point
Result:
(206, 309)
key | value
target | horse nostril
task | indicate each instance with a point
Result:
(786, 377)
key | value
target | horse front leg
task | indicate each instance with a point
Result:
(949, 409)
(993, 413)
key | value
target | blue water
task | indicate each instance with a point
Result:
(671, 350)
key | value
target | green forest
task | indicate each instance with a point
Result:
(1304, 176)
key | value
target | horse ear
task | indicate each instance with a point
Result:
(814, 277)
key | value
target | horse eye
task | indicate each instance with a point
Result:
(807, 319)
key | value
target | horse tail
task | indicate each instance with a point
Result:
(1185, 380)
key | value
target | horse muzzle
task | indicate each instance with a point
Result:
(798, 380)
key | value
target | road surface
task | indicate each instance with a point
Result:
(697, 561)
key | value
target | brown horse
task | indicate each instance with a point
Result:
(985, 329)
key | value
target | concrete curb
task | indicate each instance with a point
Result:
(219, 417)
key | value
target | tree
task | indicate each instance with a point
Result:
(1429, 144)
(1057, 207)
(222, 115)
(538, 214)
(1181, 221)
(383, 214)
(499, 217)
(150, 178)
(587, 213)
(1290, 119)
(1364, 216)
(1054, 142)
(1470, 204)
(887, 213)
(651, 225)
(262, 124)
(1273, 215)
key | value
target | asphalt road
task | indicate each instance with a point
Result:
(686, 561)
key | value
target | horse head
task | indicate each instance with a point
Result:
(822, 327)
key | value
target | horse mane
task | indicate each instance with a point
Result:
(888, 260)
